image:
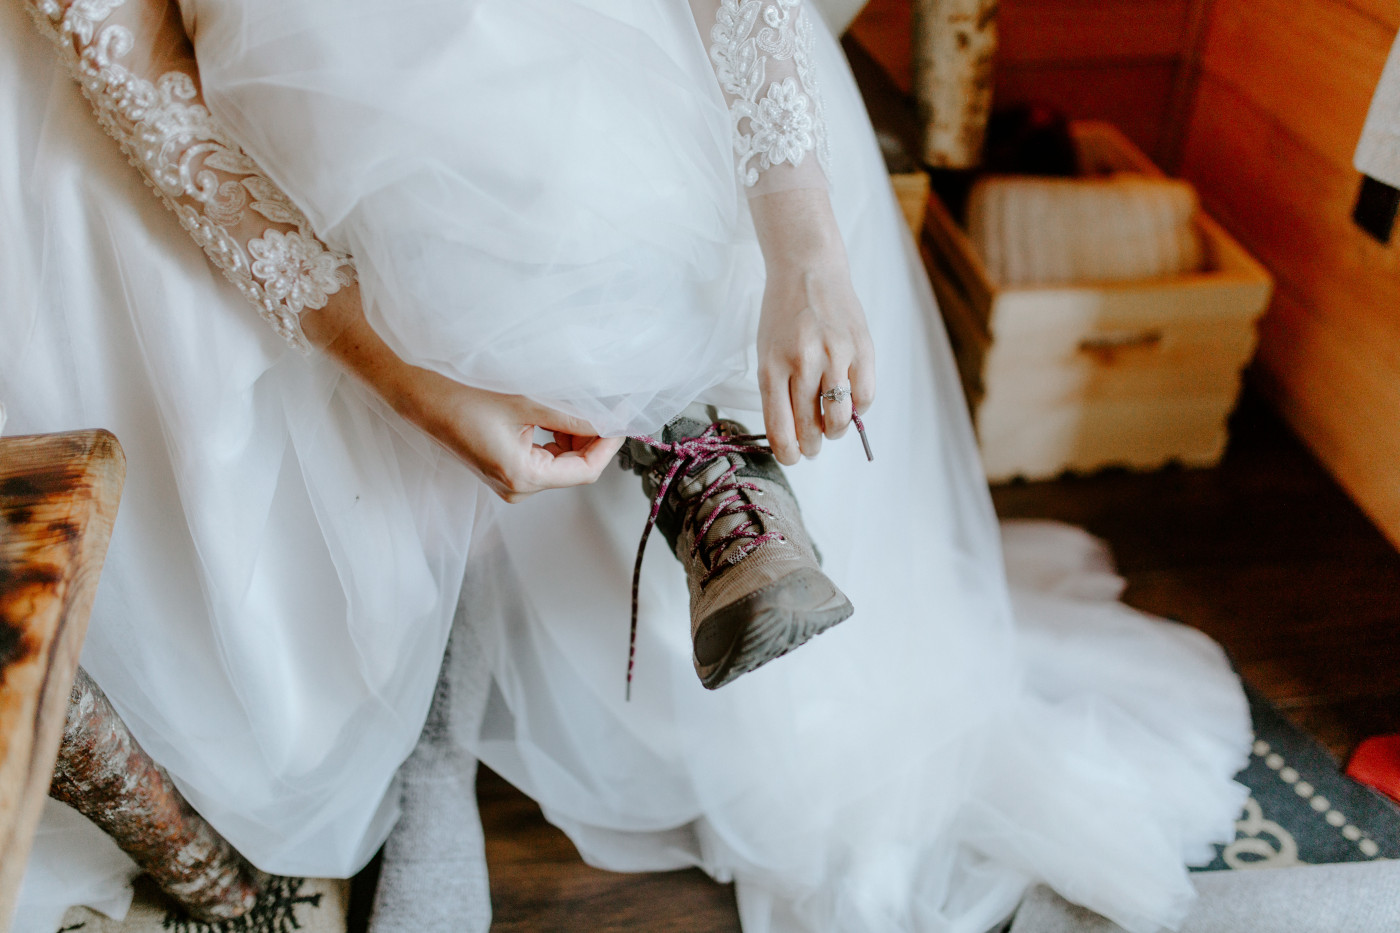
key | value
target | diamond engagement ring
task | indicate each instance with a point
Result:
(840, 394)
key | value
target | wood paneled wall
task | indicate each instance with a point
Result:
(1116, 60)
(1260, 104)
(1283, 90)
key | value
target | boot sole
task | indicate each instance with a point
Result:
(772, 629)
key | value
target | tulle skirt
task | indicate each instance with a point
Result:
(540, 199)
(540, 196)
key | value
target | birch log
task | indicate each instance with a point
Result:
(106, 776)
(954, 50)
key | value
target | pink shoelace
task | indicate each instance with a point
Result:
(686, 456)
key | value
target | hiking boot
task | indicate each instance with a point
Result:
(725, 508)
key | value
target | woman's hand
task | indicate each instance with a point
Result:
(812, 335)
(490, 432)
(494, 434)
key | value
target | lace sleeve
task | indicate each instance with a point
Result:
(762, 55)
(137, 67)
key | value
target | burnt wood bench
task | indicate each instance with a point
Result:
(58, 733)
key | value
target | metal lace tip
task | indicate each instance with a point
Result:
(865, 441)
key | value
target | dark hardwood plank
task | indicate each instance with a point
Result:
(1342, 724)
(540, 885)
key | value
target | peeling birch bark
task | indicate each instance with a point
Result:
(955, 45)
(105, 775)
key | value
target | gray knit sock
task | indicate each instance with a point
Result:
(433, 878)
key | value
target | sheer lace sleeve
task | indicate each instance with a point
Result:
(762, 54)
(137, 67)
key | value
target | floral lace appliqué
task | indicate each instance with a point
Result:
(778, 122)
(199, 172)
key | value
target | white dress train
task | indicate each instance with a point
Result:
(541, 197)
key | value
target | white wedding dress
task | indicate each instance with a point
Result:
(541, 197)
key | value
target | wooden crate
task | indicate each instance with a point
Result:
(911, 190)
(1135, 374)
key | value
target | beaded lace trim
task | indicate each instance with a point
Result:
(774, 121)
(199, 172)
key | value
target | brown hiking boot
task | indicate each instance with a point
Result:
(724, 506)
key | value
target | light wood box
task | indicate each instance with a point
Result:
(911, 190)
(1136, 374)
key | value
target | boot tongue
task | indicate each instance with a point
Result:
(696, 483)
(693, 484)
(682, 428)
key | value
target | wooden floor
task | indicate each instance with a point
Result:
(1264, 553)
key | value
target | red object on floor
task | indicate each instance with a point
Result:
(1376, 763)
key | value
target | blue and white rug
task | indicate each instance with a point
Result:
(1302, 810)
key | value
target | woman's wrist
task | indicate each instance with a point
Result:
(340, 331)
(324, 326)
(797, 230)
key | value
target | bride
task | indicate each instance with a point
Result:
(580, 217)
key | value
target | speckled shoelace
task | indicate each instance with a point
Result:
(688, 455)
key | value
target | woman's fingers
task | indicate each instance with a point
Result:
(835, 390)
(575, 467)
(777, 414)
(862, 375)
(558, 422)
(813, 339)
(807, 411)
(796, 411)
(495, 435)
(597, 453)
(575, 457)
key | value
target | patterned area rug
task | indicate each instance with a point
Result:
(291, 905)
(1302, 810)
